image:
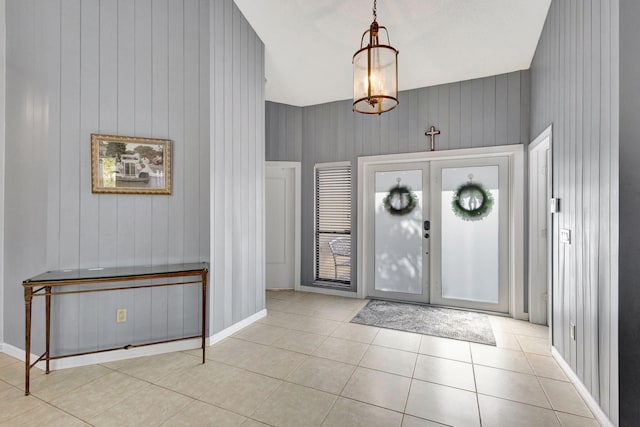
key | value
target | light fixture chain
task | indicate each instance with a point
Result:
(375, 12)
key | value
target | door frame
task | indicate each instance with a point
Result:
(297, 193)
(517, 173)
(546, 135)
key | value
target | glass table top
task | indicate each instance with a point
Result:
(114, 272)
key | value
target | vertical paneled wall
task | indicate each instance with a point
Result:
(283, 132)
(237, 159)
(125, 67)
(629, 291)
(574, 87)
(475, 113)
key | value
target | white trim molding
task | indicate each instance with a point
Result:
(112, 356)
(534, 302)
(327, 291)
(582, 390)
(227, 332)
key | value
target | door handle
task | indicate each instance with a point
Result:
(427, 226)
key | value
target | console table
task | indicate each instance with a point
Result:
(53, 283)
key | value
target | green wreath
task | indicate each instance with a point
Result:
(472, 202)
(402, 193)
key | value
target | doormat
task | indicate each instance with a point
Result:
(422, 319)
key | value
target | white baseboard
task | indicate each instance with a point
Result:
(17, 353)
(325, 291)
(112, 356)
(227, 332)
(582, 390)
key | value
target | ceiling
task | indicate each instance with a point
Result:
(309, 43)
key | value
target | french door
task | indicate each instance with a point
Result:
(446, 251)
(470, 254)
(400, 250)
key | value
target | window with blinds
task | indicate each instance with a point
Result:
(333, 224)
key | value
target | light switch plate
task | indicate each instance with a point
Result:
(572, 331)
(565, 236)
(554, 205)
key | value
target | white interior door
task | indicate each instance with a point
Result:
(470, 257)
(539, 195)
(282, 259)
(400, 251)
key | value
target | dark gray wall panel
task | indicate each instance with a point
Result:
(629, 292)
(477, 113)
(574, 87)
(283, 129)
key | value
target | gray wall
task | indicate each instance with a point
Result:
(476, 113)
(283, 132)
(574, 86)
(141, 68)
(629, 291)
(237, 141)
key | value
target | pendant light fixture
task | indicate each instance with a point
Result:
(375, 72)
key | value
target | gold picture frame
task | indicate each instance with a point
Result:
(130, 165)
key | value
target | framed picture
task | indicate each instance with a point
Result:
(130, 165)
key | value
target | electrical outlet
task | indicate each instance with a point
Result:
(565, 236)
(121, 315)
(572, 331)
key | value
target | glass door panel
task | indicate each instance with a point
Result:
(400, 268)
(470, 257)
(470, 228)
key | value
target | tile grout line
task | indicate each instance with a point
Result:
(475, 383)
(189, 396)
(518, 401)
(47, 403)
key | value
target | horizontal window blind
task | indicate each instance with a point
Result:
(333, 224)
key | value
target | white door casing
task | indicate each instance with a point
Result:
(540, 228)
(282, 225)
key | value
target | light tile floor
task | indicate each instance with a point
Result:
(306, 365)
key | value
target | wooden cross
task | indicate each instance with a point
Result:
(432, 133)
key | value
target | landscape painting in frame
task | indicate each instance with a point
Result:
(130, 165)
